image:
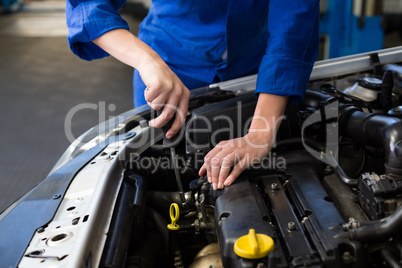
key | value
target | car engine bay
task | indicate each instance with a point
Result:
(328, 195)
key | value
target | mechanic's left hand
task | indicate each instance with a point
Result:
(238, 154)
(224, 163)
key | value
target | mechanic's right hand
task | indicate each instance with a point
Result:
(165, 89)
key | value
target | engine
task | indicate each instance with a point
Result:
(329, 194)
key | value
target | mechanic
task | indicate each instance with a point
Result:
(186, 44)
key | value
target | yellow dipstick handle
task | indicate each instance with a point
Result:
(174, 216)
(254, 248)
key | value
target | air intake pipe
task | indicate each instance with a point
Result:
(375, 130)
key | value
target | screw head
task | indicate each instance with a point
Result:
(274, 186)
(328, 169)
(347, 256)
(291, 226)
(75, 221)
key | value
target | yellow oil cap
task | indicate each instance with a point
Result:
(174, 213)
(253, 246)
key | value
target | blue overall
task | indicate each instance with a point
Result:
(204, 41)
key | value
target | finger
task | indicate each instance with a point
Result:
(167, 114)
(207, 162)
(181, 114)
(202, 170)
(237, 170)
(209, 171)
(158, 102)
(216, 166)
(208, 159)
(226, 166)
(148, 95)
(205, 170)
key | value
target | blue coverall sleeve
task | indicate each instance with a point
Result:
(87, 20)
(292, 48)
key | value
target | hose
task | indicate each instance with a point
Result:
(380, 231)
(389, 258)
(160, 224)
(375, 130)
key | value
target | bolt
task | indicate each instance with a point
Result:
(274, 186)
(346, 256)
(197, 225)
(41, 230)
(291, 226)
(205, 186)
(143, 123)
(75, 221)
(56, 196)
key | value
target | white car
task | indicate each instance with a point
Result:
(328, 195)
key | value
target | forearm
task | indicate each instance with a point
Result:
(163, 87)
(267, 117)
(127, 48)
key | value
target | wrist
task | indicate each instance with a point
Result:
(266, 121)
(261, 138)
(148, 62)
